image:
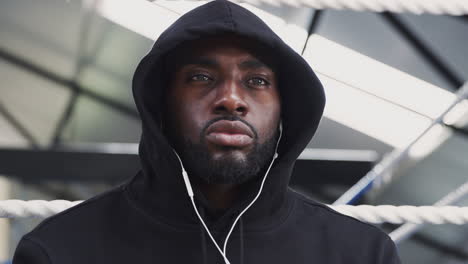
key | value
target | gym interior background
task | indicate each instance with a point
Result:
(69, 128)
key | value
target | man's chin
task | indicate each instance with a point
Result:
(230, 156)
(226, 165)
(228, 168)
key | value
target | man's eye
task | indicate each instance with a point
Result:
(200, 78)
(258, 81)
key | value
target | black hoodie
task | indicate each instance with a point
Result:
(150, 219)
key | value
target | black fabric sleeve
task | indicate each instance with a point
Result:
(30, 252)
(390, 253)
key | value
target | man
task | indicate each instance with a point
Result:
(227, 108)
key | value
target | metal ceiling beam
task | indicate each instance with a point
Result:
(18, 126)
(65, 118)
(83, 59)
(70, 84)
(113, 162)
(313, 25)
(67, 165)
(428, 54)
(434, 60)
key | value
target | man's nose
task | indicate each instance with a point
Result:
(230, 99)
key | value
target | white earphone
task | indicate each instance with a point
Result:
(190, 193)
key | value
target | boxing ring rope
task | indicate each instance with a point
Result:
(367, 213)
(435, 7)
(395, 157)
(408, 229)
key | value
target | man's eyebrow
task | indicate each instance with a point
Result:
(202, 61)
(253, 64)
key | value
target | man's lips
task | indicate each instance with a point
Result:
(230, 134)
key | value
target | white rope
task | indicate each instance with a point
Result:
(436, 7)
(33, 208)
(454, 197)
(406, 214)
(367, 213)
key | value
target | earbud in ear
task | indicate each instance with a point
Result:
(279, 138)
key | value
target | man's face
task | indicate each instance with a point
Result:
(223, 110)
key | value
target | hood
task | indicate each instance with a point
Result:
(159, 187)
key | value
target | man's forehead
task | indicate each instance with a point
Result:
(212, 58)
(204, 51)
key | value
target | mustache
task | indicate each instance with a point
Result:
(228, 118)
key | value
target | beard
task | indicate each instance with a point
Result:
(229, 169)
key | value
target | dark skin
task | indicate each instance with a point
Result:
(222, 77)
